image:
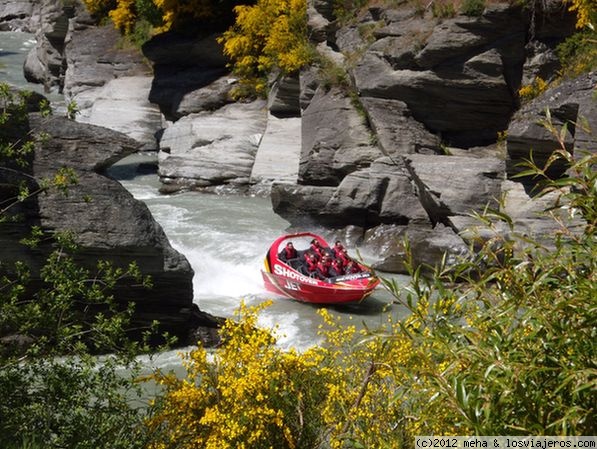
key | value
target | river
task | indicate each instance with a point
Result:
(224, 237)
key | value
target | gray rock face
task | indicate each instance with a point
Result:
(93, 58)
(107, 222)
(183, 65)
(122, 105)
(203, 149)
(423, 85)
(23, 15)
(397, 131)
(383, 193)
(284, 97)
(426, 87)
(45, 62)
(110, 85)
(277, 159)
(332, 127)
(461, 81)
(454, 185)
(208, 98)
(571, 103)
(303, 206)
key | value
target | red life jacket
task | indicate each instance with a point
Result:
(290, 253)
(316, 249)
(324, 269)
(353, 269)
(343, 257)
(311, 265)
(337, 266)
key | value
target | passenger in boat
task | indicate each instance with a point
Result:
(352, 267)
(323, 267)
(338, 246)
(340, 253)
(310, 264)
(288, 253)
(336, 268)
(316, 247)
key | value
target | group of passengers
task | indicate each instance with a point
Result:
(320, 262)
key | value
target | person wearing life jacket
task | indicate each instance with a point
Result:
(323, 267)
(336, 269)
(310, 264)
(340, 253)
(316, 248)
(289, 252)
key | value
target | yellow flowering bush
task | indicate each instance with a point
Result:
(162, 14)
(271, 34)
(586, 11)
(124, 16)
(246, 394)
(349, 392)
(99, 7)
(532, 90)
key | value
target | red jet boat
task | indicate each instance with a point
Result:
(290, 278)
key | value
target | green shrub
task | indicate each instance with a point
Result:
(53, 392)
(472, 7)
(511, 351)
(443, 9)
(578, 53)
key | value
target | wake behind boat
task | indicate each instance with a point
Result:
(289, 271)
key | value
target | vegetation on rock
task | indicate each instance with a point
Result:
(162, 14)
(271, 36)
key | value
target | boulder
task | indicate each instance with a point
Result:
(383, 193)
(213, 96)
(439, 246)
(571, 103)
(206, 149)
(303, 206)
(429, 247)
(456, 185)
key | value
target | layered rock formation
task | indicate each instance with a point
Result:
(408, 147)
(435, 94)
